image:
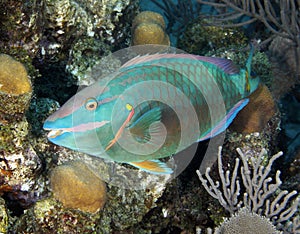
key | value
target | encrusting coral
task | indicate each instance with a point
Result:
(15, 87)
(78, 187)
(149, 28)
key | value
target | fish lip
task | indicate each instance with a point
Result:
(55, 132)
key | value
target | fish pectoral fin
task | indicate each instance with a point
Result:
(153, 166)
(147, 125)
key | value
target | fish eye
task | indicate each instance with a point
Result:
(253, 74)
(91, 104)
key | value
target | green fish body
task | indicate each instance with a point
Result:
(153, 107)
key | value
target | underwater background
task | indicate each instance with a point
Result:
(50, 49)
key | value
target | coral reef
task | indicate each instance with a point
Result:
(258, 112)
(21, 166)
(236, 14)
(123, 208)
(4, 220)
(23, 181)
(85, 17)
(48, 30)
(21, 27)
(284, 36)
(281, 209)
(282, 53)
(77, 187)
(84, 54)
(149, 28)
(66, 40)
(48, 216)
(201, 38)
(13, 136)
(39, 109)
(15, 88)
(178, 14)
(260, 65)
(57, 24)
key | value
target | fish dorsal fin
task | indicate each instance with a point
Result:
(222, 63)
(153, 166)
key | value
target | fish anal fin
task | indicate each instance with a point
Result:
(153, 166)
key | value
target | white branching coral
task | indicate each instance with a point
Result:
(261, 196)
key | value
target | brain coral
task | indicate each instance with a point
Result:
(15, 86)
(77, 187)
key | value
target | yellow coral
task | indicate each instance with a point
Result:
(77, 187)
(149, 28)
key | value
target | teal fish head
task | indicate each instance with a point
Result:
(83, 120)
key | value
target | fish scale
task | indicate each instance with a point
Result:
(187, 89)
(160, 88)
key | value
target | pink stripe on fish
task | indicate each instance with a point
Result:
(86, 126)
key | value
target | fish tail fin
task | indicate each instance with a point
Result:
(153, 166)
(251, 81)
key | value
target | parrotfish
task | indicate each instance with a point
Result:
(153, 107)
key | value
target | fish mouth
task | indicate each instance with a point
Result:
(80, 128)
(55, 133)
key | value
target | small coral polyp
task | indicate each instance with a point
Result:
(15, 86)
